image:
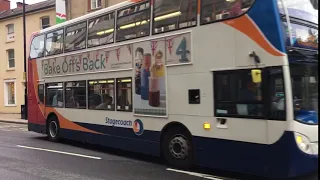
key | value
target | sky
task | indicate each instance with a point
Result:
(14, 5)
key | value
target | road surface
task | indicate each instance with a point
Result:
(29, 156)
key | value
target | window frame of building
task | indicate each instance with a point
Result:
(6, 93)
(211, 19)
(266, 100)
(46, 25)
(66, 97)
(128, 12)
(128, 107)
(8, 28)
(94, 4)
(92, 83)
(193, 18)
(11, 59)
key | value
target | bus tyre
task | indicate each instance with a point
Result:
(53, 129)
(177, 148)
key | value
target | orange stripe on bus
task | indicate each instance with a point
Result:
(64, 122)
(67, 124)
(35, 83)
(246, 26)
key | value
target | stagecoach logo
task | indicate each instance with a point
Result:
(136, 125)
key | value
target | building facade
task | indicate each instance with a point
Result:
(76, 8)
(12, 79)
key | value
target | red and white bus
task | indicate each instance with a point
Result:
(215, 83)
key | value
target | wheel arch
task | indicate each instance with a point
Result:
(51, 115)
(173, 125)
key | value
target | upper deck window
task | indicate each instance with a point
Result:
(133, 21)
(75, 37)
(215, 10)
(54, 42)
(101, 30)
(37, 47)
(170, 15)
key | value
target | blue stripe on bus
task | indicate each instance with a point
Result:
(271, 25)
(279, 160)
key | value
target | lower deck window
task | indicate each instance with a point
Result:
(75, 93)
(54, 94)
(124, 94)
(237, 95)
(101, 94)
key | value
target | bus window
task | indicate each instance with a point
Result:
(41, 93)
(124, 94)
(101, 94)
(54, 95)
(37, 47)
(215, 10)
(75, 37)
(75, 93)
(170, 15)
(101, 30)
(54, 42)
(133, 22)
(236, 95)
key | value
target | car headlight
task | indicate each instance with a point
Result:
(303, 143)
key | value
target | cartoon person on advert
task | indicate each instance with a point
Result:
(138, 64)
(145, 74)
(159, 71)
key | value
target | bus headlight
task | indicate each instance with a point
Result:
(303, 143)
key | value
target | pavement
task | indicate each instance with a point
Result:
(12, 118)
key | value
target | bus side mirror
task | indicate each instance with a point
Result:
(256, 76)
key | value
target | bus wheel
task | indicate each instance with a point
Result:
(177, 148)
(53, 129)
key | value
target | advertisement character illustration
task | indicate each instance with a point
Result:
(145, 74)
(154, 90)
(159, 69)
(138, 64)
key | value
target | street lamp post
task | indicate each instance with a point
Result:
(25, 60)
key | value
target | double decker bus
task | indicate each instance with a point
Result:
(226, 84)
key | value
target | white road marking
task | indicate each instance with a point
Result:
(204, 176)
(60, 152)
